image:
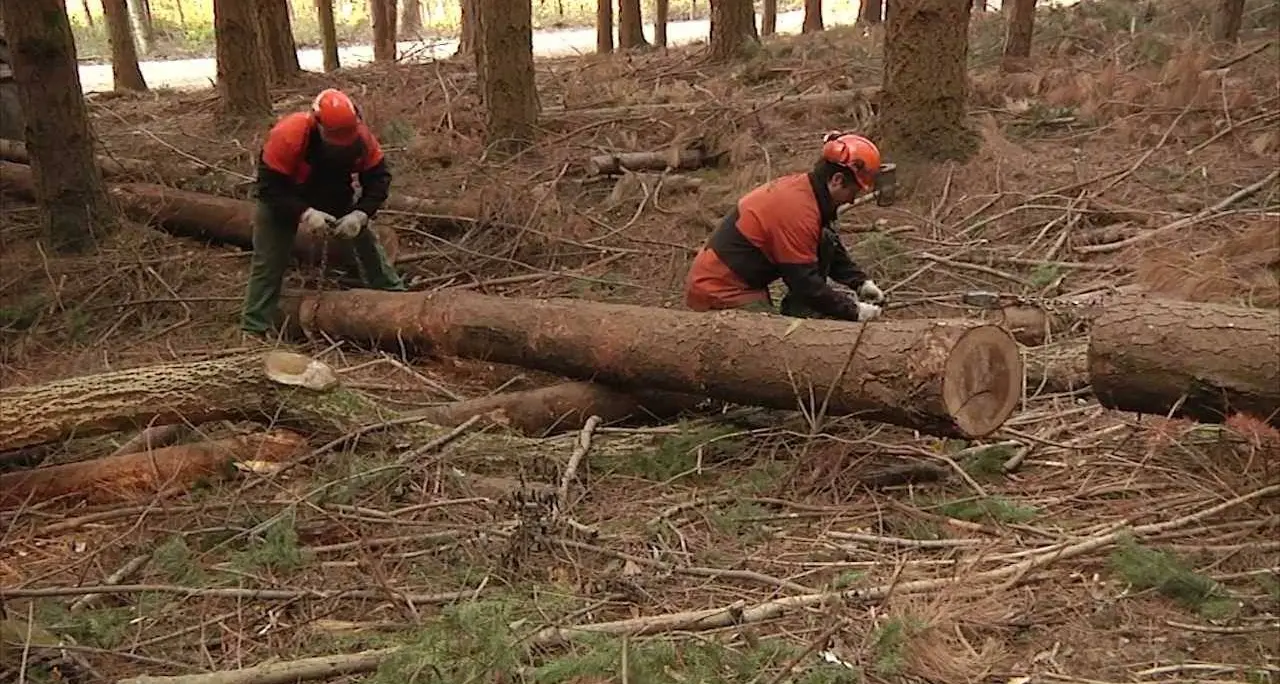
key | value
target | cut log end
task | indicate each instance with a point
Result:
(297, 370)
(983, 380)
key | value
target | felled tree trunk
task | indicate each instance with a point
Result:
(145, 474)
(16, 152)
(154, 437)
(1057, 367)
(940, 377)
(1201, 361)
(645, 161)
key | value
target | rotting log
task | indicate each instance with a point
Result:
(682, 160)
(1200, 361)
(144, 474)
(250, 387)
(952, 378)
(561, 407)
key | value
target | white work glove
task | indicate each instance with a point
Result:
(869, 292)
(350, 225)
(867, 312)
(316, 220)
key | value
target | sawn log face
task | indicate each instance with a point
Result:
(1222, 359)
(942, 377)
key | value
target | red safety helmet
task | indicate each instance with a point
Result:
(337, 117)
(855, 153)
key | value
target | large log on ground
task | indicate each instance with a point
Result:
(147, 473)
(196, 392)
(1201, 361)
(112, 167)
(952, 378)
(677, 160)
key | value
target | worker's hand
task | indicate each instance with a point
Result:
(868, 292)
(868, 312)
(317, 220)
(350, 225)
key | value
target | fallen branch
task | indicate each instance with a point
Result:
(288, 672)
(241, 593)
(683, 160)
(870, 95)
(154, 437)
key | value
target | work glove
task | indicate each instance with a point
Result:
(870, 293)
(350, 225)
(868, 312)
(317, 220)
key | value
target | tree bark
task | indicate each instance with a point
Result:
(242, 82)
(328, 34)
(1057, 367)
(661, 16)
(143, 30)
(16, 151)
(925, 88)
(949, 377)
(67, 183)
(871, 12)
(1227, 21)
(733, 30)
(143, 475)
(630, 25)
(125, 72)
(469, 28)
(769, 18)
(383, 14)
(1200, 361)
(155, 437)
(411, 17)
(504, 64)
(604, 27)
(812, 17)
(1019, 27)
(279, 51)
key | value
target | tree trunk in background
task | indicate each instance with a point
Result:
(411, 18)
(604, 27)
(383, 14)
(242, 77)
(733, 29)
(871, 12)
(812, 16)
(769, 19)
(925, 88)
(328, 34)
(143, 31)
(1019, 26)
(630, 25)
(468, 28)
(67, 182)
(504, 63)
(88, 13)
(1227, 21)
(661, 15)
(279, 52)
(125, 71)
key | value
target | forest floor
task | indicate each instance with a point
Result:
(1121, 548)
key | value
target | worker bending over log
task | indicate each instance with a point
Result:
(787, 229)
(305, 173)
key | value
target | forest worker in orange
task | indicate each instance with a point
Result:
(786, 229)
(305, 173)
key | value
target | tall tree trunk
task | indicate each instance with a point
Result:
(242, 78)
(504, 63)
(88, 13)
(812, 16)
(604, 26)
(67, 182)
(124, 54)
(925, 87)
(143, 31)
(468, 28)
(661, 16)
(1227, 21)
(630, 25)
(733, 29)
(383, 13)
(1019, 26)
(328, 34)
(769, 20)
(411, 18)
(871, 12)
(279, 52)
(182, 16)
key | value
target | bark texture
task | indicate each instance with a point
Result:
(733, 30)
(812, 16)
(1019, 27)
(143, 30)
(769, 18)
(67, 184)
(383, 14)
(505, 66)
(328, 34)
(1227, 21)
(1201, 361)
(142, 475)
(469, 28)
(155, 437)
(1057, 367)
(411, 17)
(279, 52)
(604, 27)
(661, 16)
(242, 75)
(871, 12)
(125, 72)
(630, 25)
(940, 377)
(925, 87)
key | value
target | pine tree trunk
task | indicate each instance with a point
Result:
(630, 25)
(143, 31)
(871, 12)
(383, 14)
(468, 28)
(242, 77)
(1227, 21)
(733, 30)
(812, 16)
(769, 19)
(604, 27)
(923, 110)
(1019, 26)
(411, 18)
(125, 71)
(279, 52)
(505, 67)
(661, 16)
(67, 182)
(328, 34)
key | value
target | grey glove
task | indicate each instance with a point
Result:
(870, 293)
(316, 220)
(350, 225)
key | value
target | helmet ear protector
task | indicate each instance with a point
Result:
(882, 182)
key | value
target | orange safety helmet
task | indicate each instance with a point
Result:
(855, 153)
(337, 116)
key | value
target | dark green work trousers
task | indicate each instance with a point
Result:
(272, 249)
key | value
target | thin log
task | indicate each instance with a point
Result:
(112, 168)
(288, 672)
(1200, 361)
(954, 378)
(143, 475)
(154, 437)
(682, 160)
